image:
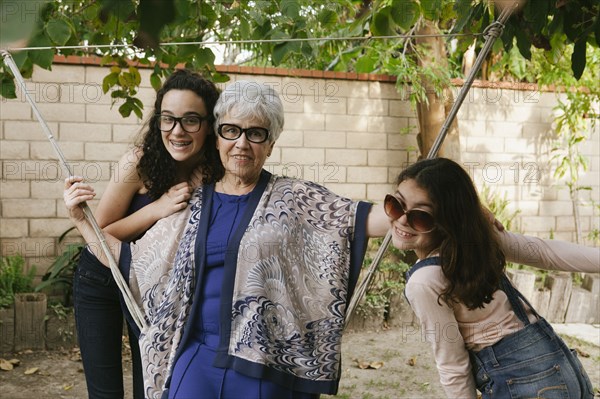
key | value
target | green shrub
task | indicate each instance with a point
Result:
(60, 273)
(13, 279)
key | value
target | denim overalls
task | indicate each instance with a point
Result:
(533, 362)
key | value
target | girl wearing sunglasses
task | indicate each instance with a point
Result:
(484, 333)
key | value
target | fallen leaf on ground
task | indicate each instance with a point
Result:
(412, 361)
(5, 365)
(15, 362)
(362, 365)
(67, 387)
(31, 370)
(368, 365)
(582, 353)
(376, 365)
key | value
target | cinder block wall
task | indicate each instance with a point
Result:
(352, 133)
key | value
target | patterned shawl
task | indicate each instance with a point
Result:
(288, 298)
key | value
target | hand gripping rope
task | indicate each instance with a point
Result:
(134, 310)
(491, 33)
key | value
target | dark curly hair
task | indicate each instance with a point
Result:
(156, 167)
(471, 257)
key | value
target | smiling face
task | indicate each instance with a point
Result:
(404, 236)
(243, 160)
(183, 146)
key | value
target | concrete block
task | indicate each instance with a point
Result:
(591, 282)
(541, 301)
(524, 281)
(579, 306)
(561, 286)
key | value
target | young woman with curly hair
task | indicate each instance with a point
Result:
(484, 333)
(175, 152)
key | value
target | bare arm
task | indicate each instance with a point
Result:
(76, 192)
(125, 183)
(378, 223)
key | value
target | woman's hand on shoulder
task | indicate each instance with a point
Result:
(174, 200)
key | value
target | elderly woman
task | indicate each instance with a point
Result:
(245, 291)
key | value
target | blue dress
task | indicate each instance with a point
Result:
(194, 375)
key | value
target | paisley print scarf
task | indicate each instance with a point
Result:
(289, 292)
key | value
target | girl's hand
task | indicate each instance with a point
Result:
(76, 192)
(174, 200)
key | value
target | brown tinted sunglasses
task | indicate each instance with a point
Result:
(419, 219)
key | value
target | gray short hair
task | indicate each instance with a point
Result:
(252, 100)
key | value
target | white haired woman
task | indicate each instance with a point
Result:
(245, 291)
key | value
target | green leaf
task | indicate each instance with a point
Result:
(20, 58)
(523, 44)
(381, 24)
(578, 58)
(118, 94)
(187, 51)
(205, 56)
(7, 87)
(464, 10)
(59, 31)
(125, 109)
(43, 58)
(121, 9)
(327, 18)
(431, 9)
(279, 52)
(220, 78)
(109, 81)
(366, 63)
(290, 8)
(155, 81)
(405, 14)
(245, 28)
(91, 12)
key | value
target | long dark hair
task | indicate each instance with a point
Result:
(156, 167)
(471, 258)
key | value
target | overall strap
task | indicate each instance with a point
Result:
(513, 296)
(434, 260)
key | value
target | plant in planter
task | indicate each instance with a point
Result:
(14, 282)
(13, 279)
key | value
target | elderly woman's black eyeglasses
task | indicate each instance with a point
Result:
(190, 124)
(419, 219)
(232, 132)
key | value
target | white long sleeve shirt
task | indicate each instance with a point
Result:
(453, 330)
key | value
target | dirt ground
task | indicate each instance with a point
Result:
(390, 364)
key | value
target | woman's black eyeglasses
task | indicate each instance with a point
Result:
(190, 124)
(419, 219)
(232, 132)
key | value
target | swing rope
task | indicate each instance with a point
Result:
(134, 310)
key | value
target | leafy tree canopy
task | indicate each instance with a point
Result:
(340, 35)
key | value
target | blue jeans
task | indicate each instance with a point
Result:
(99, 320)
(531, 363)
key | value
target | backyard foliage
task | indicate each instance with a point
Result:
(14, 279)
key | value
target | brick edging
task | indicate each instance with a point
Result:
(306, 73)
